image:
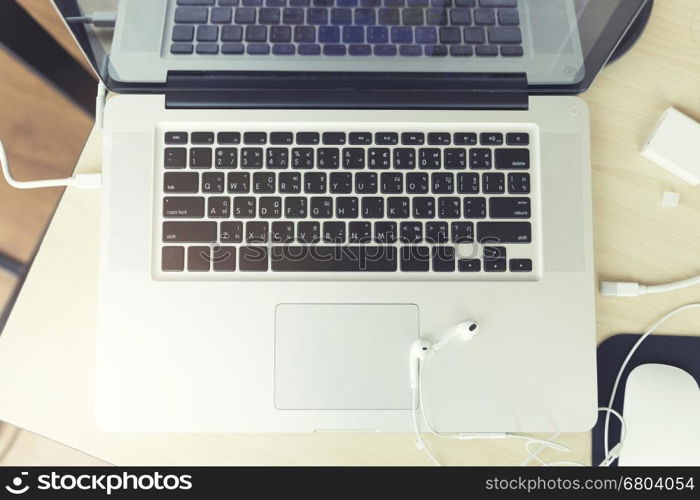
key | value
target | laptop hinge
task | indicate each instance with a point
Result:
(254, 90)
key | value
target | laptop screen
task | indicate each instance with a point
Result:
(143, 45)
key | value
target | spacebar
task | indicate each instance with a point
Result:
(323, 258)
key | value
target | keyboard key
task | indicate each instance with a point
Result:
(449, 207)
(277, 158)
(461, 50)
(207, 33)
(224, 259)
(176, 138)
(484, 17)
(346, 207)
(480, 159)
(251, 158)
(461, 16)
(384, 50)
(474, 35)
(198, 259)
(442, 182)
(333, 232)
(268, 15)
(226, 158)
(255, 33)
(244, 207)
(360, 50)
(359, 232)
(360, 138)
(331, 138)
(341, 16)
(365, 17)
(181, 48)
(379, 158)
(309, 232)
(415, 259)
(305, 34)
(200, 158)
(175, 157)
(195, 2)
(417, 183)
(333, 258)
(401, 34)
(238, 182)
(189, 232)
(184, 207)
(518, 139)
(494, 183)
(518, 183)
(412, 138)
(366, 183)
(307, 138)
(219, 207)
(462, 232)
(207, 48)
(231, 232)
(436, 232)
(426, 35)
(398, 207)
(436, 50)
(245, 15)
(508, 17)
(317, 16)
(183, 33)
(253, 258)
(293, 16)
(388, 138)
(281, 138)
(520, 265)
(282, 232)
(321, 207)
(468, 183)
(327, 158)
(181, 182)
(486, 50)
(504, 232)
(511, 50)
(474, 208)
(502, 35)
(264, 182)
(377, 34)
(491, 139)
(494, 259)
(213, 182)
(443, 259)
(429, 159)
(283, 49)
(302, 158)
(439, 138)
(228, 137)
(385, 232)
(221, 15)
(315, 182)
(450, 35)
(372, 207)
(295, 207)
(202, 138)
(411, 232)
(280, 34)
(465, 139)
(353, 158)
(423, 207)
(388, 17)
(498, 3)
(509, 208)
(270, 207)
(172, 259)
(306, 49)
(513, 159)
(341, 182)
(391, 183)
(455, 159)
(191, 15)
(469, 265)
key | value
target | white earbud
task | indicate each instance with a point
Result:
(467, 330)
(419, 352)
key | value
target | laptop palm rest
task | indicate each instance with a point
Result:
(344, 356)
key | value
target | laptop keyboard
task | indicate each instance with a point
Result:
(387, 28)
(458, 203)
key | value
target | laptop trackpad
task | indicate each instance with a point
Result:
(344, 356)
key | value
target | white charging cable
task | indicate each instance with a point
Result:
(99, 19)
(84, 181)
(630, 289)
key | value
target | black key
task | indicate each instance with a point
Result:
(195, 2)
(263, 182)
(494, 183)
(449, 207)
(321, 207)
(219, 207)
(491, 139)
(462, 232)
(391, 183)
(513, 158)
(175, 157)
(268, 15)
(465, 3)
(245, 15)
(256, 232)
(189, 232)
(450, 35)
(231, 232)
(423, 207)
(282, 232)
(475, 35)
(207, 34)
(221, 15)
(398, 207)
(238, 182)
(327, 158)
(461, 17)
(411, 232)
(480, 159)
(353, 158)
(304, 138)
(207, 48)
(334, 258)
(333, 232)
(191, 15)
(231, 34)
(223, 258)
(469, 265)
(518, 139)
(468, 183)
(505, 35)
(389, 17)
(412, 138)
(436, 232)
(366, 183)
(255, 33)
(504, 232)
(379, 158)
(494, 259)
(360, 138)
(385, 232)
(487, 50)
(183, 33)
(228, 137)
(415, 259)
(293, 16)
(341, 182)
(198, 259)
(436, 50)
(226, 158)
(254, 137)
(474, 208)
(200, 158)
(439, 138)
(416, 183)
(412, 17)
(315, 182)
(461, 50)
(172, 259)
(465, 139)
(443, 259)
(518, 183)
(340, 16)
(509, 208)
(508, 17)
(295, 207)
(386, 138)
(359, 232)
(442, 183)
(244, 207)
(404, 158)
(372, 207)
(511, 50)
(332, 138)
(181, 182)
(346, 207)
(213, 182)
(183, 207)
(309, 232)
(253, 258)
(176, 137)
(281, 138)
(303, 158)
(305, 34)
(436, 17)
(520, 265)
(498, 3)
(429, 159)
(277, 158)
(455, 159)
(364, 17)
(251, 158)
(484, 17)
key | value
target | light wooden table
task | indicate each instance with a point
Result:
(47, 350)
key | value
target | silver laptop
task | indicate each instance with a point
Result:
(295, 190)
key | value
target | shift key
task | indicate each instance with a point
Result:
(189, 232)
(504, 232)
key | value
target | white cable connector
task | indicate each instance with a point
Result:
(82, 181)
(99, 19)
(630, 289)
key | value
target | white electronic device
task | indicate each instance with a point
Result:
(662, 417)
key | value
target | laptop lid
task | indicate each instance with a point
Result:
(348, 53)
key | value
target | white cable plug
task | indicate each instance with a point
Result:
(99, 19)
(82, 181)
(630, 289)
